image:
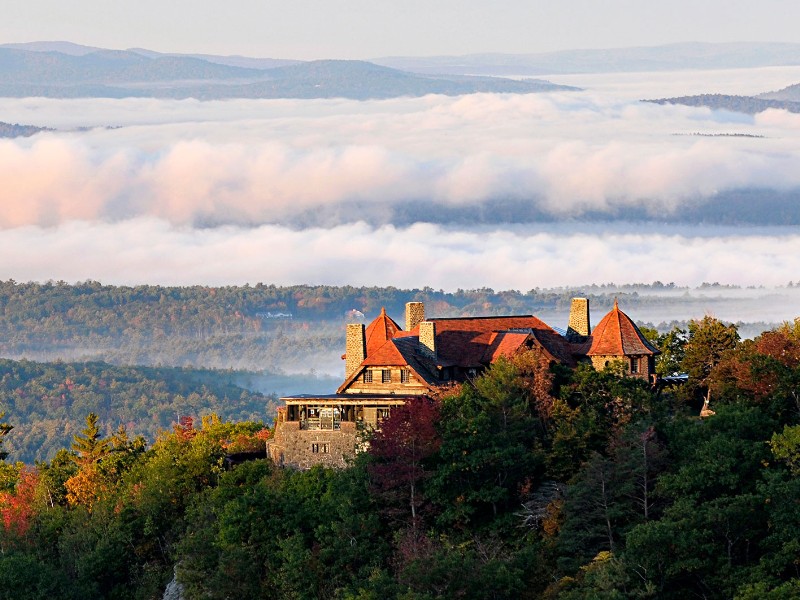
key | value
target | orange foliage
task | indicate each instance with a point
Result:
(86, 487)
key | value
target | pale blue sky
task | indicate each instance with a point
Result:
(309, 29)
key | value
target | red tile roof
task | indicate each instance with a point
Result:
(464, 341)
(383, 328)
(617, 335)
(505, 344)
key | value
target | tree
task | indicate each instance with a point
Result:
(5, 428)
(709, 340)
(400, 448)
(488, 447)
(89, 444)
(673, 350)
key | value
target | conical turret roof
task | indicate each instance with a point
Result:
(383, 328)
(617, 335)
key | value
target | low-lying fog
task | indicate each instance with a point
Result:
(503, 191)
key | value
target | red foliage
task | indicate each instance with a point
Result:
(17, 508)
(779, 345)
(404, 441)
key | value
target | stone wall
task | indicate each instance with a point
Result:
(303, 448)
(427, 338)
(579, 324)
(355, 347)
(415, 314)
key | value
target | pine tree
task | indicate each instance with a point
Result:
(89, 444)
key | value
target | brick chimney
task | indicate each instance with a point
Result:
(415, 314)
(427, 338)
(579, 324)
(355, 347)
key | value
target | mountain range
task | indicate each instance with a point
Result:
(64, 70)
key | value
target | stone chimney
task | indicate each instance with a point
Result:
(427, 338)
(355, 347)
(415, 314)
(579, 324)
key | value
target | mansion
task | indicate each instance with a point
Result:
(385, 365)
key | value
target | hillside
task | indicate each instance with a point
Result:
(528, 483)
(140, 73)
(12, 130)
(787, 94)
(742, 104)
(48, 402)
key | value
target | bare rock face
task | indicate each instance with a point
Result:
(174, 590)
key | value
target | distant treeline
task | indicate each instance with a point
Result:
(12, 130)
(236, 326)
(48, 403)
(743, 104)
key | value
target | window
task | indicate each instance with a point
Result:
(317, 448)
(405, 376)
(634, 365)
(367, 376)
(386, 376)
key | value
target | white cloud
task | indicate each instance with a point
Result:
(252, 162)
(192, 192)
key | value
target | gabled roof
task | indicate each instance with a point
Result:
(383, 328)
(504, 343)
(617, 335)
(399, 352)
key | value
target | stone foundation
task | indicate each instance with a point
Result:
(304, 448)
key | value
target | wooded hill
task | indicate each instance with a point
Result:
(48, 402)
(27, 71)
(529, 483)
(266, 327)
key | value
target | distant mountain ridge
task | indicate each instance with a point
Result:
(13, 130)
(691, 55)
(743, 104)
(43, 71)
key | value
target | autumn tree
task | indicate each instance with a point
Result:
(89, 484)
(400, 448)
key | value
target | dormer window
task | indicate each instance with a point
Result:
(386, 376)
(405, 375)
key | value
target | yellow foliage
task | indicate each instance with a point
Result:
(86, 487)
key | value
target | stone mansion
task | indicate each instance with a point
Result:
(385, 365)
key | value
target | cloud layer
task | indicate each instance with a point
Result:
(406, 192)
(256, 162)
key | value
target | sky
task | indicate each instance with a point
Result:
(309, 29)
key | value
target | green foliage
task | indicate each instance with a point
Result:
(786, 447)
(708, 342)
(49, 401)
(488, 448)
(603, 491)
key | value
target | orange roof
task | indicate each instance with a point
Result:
(383, 328)
(617, 335)
(387, 355)
(504, 344)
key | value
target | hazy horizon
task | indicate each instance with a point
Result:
(309, 29)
